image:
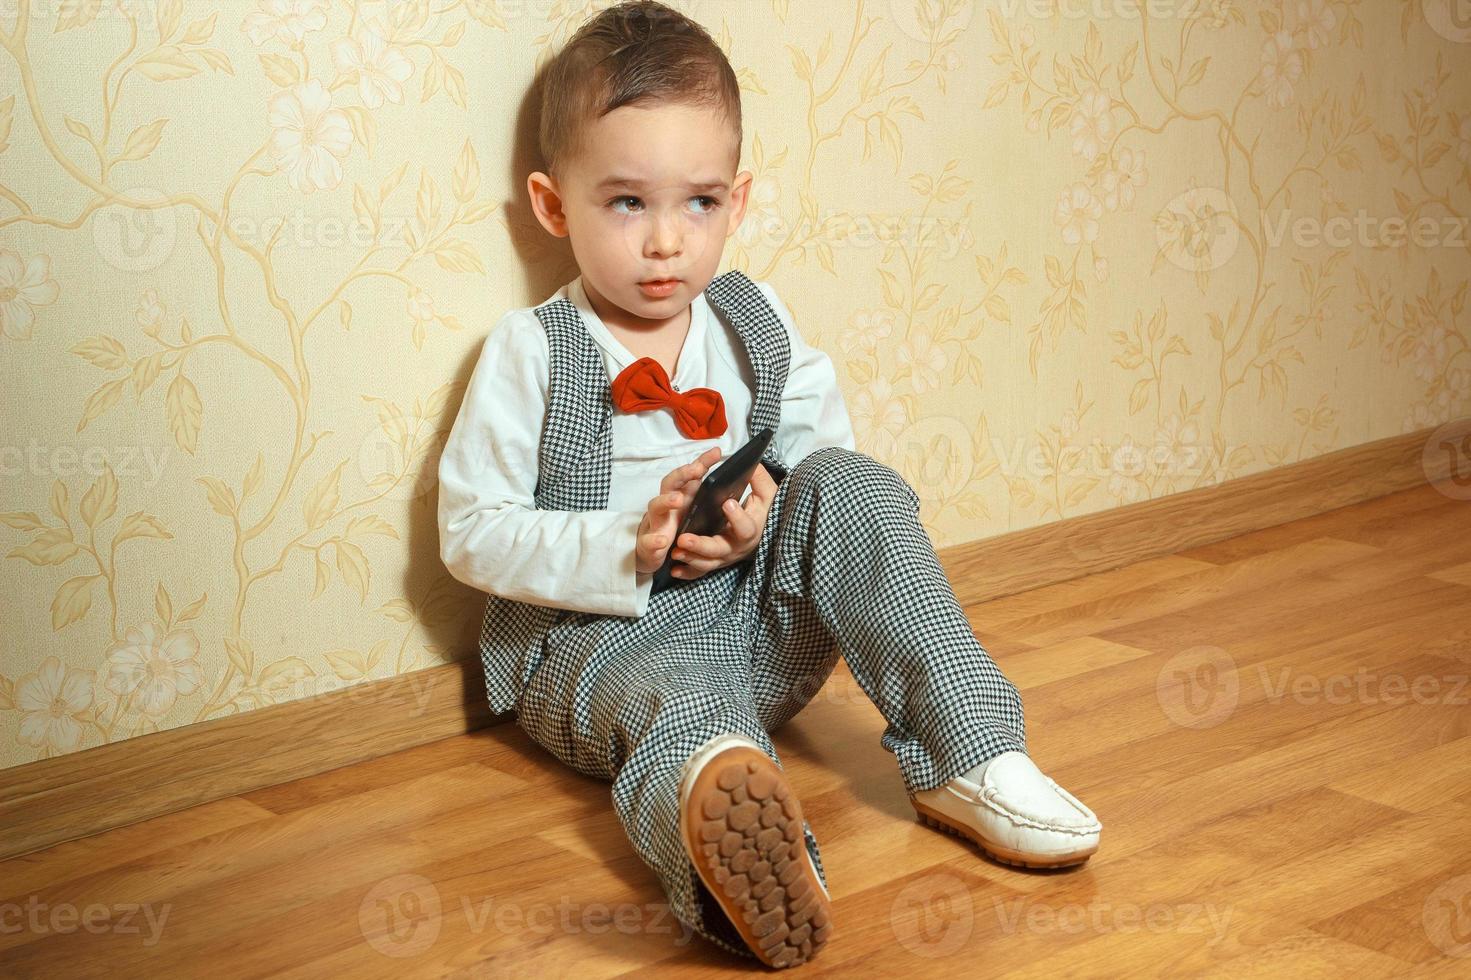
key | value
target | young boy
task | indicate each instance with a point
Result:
(587, 426)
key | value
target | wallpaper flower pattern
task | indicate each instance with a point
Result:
(1066, 254)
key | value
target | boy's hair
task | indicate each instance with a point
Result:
(635, 52)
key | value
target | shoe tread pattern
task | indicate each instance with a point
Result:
(746, 826)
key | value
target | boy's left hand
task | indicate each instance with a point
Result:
(696, 554)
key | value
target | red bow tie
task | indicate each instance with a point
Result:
(699, 413)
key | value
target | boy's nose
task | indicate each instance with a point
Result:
(665, 237)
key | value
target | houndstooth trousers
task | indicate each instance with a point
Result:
(845, 568)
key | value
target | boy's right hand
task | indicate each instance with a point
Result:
(666, 511)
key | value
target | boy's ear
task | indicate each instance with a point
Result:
(740, 193)
(546, 201)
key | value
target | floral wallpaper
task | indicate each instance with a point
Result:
(1065, 254)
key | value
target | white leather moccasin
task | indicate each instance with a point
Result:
(1016, 814)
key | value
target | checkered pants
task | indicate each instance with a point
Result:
(843, 565)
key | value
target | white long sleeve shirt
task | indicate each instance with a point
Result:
(492, 537)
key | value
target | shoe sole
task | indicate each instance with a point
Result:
(1003, 854)
(742, 826)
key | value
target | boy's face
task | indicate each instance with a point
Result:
(653, 195)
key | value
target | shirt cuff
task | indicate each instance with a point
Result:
(629, 587)
(643, 589)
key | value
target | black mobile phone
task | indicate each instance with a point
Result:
(706, 516)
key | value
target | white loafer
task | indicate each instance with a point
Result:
(1004, 817)
(742, 827)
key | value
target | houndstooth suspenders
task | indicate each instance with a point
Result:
(575, 458)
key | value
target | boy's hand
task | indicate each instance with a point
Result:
(666, 511)
(704, 553)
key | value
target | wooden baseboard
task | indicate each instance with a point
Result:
(1055, 552)
(84, 793)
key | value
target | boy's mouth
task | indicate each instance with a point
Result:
(657, 288)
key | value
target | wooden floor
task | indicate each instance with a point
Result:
(1273, 730)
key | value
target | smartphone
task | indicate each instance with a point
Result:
(706, 516)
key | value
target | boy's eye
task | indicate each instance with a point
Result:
(628, 204)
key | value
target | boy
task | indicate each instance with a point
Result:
(582, 407)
